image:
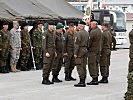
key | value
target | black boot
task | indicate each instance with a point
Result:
(46, 81)
(93, 82)
(104, 80)
(3, 70)
(71, 78)
(67, 78)
(55, 79)
(81, 83)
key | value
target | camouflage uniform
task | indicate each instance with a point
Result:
(105, 55)
(25, 52)
(15, 43)
(130, 67)
(37, 47)
(4, 46)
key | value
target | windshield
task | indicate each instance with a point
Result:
(120, 22)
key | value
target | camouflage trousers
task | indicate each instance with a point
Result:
(14, 56)
(3, 57)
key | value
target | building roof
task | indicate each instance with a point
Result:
(129, 16)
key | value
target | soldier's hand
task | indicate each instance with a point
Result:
(0, 49)
(75, 56)
(47, 54)
(65, 54)
(55, 54)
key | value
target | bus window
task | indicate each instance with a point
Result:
(106, 19)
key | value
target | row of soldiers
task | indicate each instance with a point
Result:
(50, 48)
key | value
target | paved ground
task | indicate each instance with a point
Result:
(27, 85)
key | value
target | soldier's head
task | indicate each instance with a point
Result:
(81, 25)
(39, 25)
(24, 26)
(5, 25)
(93, 24)
(51, 25)
(66, 29)
(71, 27)
(104, 26)
(59, 28)
(15, 24)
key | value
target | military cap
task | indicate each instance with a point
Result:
(39, 22)
(82, 23)
(24, 24)
(71, 24)
(105, 24)
(5, 23)
(15, 23)
(51, 23)
(58, 26)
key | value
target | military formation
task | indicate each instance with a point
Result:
(53, 48)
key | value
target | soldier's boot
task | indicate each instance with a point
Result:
(16, 69)
(67, 78)
(13, 69)
(3, 70)
(55, 79)
(93, 82)
(71, 78)
(104, 80)
(46, 81)
(81, 83)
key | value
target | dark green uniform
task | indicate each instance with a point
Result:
(59, 50)
(105, 53)
(130, 68)
(25, 52)
(4, 46)
(113, 45)
(94, 52)
(48, 47)
(69, 49)
(81, 42)
(37, 47)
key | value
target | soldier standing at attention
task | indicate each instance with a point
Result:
(15, 44)
(130, 68)
(4, 47)
(25, 42)
(94, 49)
(80, 53)
(37, 45)
(105, 53)
(58, 60)
(69, 52)
(49, 52)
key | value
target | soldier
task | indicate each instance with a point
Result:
(49, 52)
(112, 31)
(69, 52)
(25, 42)
(15, 44)
(94, 49)
(130, 66)
(58, 60)
(105, 53)
(37, 45)
(80, 53)
(4, 47)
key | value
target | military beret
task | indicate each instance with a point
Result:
(39, 22)
(58, 26)
(24, 24)
(71, 24)
(5, 23)
(82, 22)
(51, 23)
(105, 24)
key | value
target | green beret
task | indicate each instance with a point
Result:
(58, 26)
(82, 22)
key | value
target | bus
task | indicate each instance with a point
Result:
(116, 19)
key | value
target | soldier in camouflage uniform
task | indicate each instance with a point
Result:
(94, 49)
(15, 44)
(37, 45)
(80, 53)
(130, 66)
(4, 47)
(105, 53)
(25, 42)
(58, 60)
(49, 52)
(69, 52)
